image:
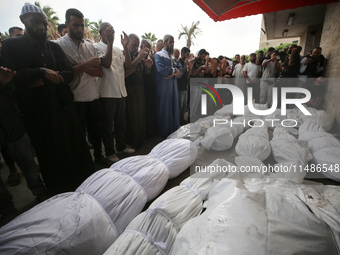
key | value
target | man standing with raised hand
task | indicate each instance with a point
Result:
(252, 72)
(44, 97)
(112, 89)
(166, 88)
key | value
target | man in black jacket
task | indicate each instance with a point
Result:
(46, 102)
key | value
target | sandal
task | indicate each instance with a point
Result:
(13, 179)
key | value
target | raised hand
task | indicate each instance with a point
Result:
(143, 53)
(124, 39)
(191, 63)
(109, 34)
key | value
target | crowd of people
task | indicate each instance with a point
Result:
(60, 97)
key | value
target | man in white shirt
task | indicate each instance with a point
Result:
(252, 72)
(270, 69)
(239, 79)
(112, 90)
(86, 66)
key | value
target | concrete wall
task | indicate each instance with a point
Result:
(273, 43)
(330, 43)
(307, 41)
(264, 43)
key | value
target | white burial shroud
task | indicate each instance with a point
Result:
(154, 231)
(271, 220)
(74, 223)
(325, 149)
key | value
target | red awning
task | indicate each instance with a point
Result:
(220, 10)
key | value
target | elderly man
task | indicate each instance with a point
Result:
(42, 80)
(166, 88)
(112, 89)
(135, 103)
(14, 139)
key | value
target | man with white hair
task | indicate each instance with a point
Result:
(166, 88)
(42, 79)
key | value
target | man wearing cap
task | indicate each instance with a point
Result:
(46, 102)
(166, 88)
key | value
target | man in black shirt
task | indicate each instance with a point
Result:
(289, 70)
(200, 68)
(183, 83)
(42, 78)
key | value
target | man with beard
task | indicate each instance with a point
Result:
(252, 72)
(46, 102)
(312, 65)
(166, 88)
(200, 67)
(289, 72)
(183, 83)
(86, 66)
(112, 89)
(149, 93)
(134, 82)
(239, 79)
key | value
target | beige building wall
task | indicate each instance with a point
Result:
(330, 43)
(264, 43)
(311, 38)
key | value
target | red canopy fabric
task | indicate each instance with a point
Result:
(220, 10)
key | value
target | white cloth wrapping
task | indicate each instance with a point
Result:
(242, 126)
(176, 154)
(265, 222)
(254, 143)
(260, 173)
(204, 181)
(189, 131)
(226, 110)
(296, 172)
(166, 215)
(160, 222)
(69, 223)
(329, 161)
(286, 148)
(321, 117)
(149, 233)
(249, 114)
(325, 149)
(120, 195)
(218, 138)
(310, 125)
(293, 114)
(151, 174)
(194, 130)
